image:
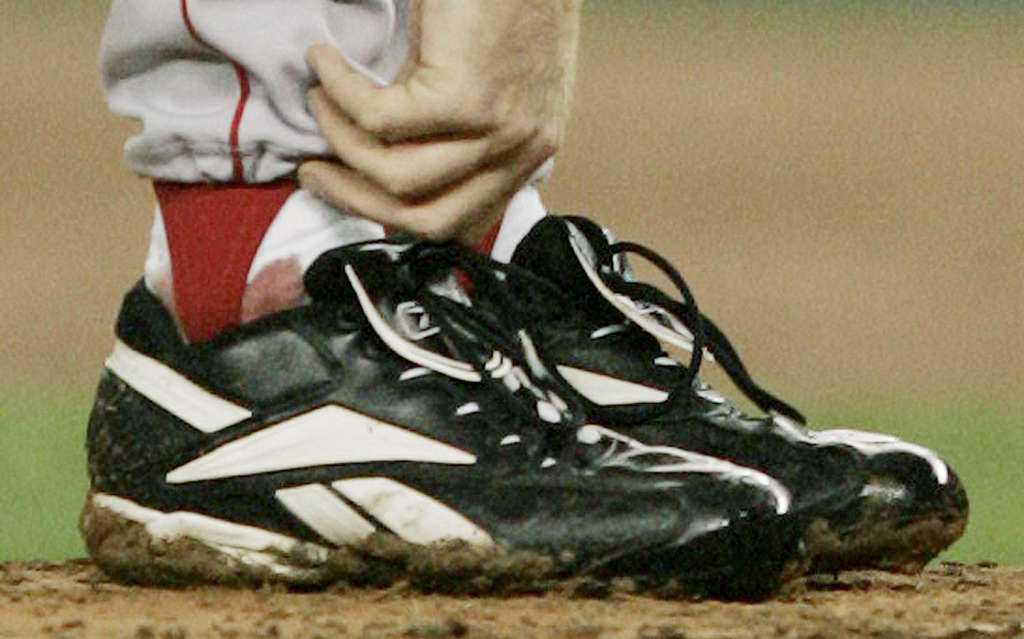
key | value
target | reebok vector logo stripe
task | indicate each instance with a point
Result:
(326, 436)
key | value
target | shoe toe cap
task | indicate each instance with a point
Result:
(911, 507)
(906, 485)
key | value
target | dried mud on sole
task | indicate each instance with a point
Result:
(75, 600)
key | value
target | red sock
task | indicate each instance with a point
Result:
(483, 247)
(486, 244)
(213, 232)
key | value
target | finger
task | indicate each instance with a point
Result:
(347, 190)
(464, 212)
(414, 108)
(409, 170)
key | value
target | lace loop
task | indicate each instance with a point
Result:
(690, 316)
(704, 332)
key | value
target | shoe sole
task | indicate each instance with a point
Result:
(138, 545)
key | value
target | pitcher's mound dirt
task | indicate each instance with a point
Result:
(74, 600)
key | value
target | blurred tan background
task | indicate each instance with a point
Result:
(843, 191)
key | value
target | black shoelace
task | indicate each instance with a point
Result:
(488, 332)
(705, 332)
(610, 268)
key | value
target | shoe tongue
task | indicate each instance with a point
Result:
(546, 252)
(466, 341)
(325, 279)
(390, 288)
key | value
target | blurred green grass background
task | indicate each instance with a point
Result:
(840, 182)
(44, 456)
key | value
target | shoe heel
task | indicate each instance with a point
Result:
(138, 545)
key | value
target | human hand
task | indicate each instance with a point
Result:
(482, 105)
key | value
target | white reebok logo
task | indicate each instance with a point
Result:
(326, 436)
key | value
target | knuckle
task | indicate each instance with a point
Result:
(437, 227)
(477, 110)
(372, 121)
(514, 132)
(404, 184)
(548, 140)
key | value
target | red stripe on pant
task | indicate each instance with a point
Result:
(244, 91)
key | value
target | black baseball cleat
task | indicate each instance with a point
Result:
(876, 501)
(393, 430)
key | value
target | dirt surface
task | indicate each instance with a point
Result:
(75, 601)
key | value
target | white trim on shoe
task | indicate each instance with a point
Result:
(174, 392)
(605, 390)
(248, 545)
(412, 515)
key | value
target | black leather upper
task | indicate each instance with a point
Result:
(592, 500)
